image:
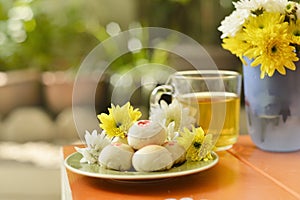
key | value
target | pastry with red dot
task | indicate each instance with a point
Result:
(146, 132)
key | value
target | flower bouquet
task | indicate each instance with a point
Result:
(267, 31)
(127, 143)
(265, 35)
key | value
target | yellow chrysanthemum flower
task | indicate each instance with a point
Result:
(294, 29)
(186, 138)
(192, 153)
(198, 144)
(238, 45)
(266, 32)
(258, 26)
(264, 21)
(119, 120)
(270, 41)
(276, 55)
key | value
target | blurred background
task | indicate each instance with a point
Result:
(43, 43)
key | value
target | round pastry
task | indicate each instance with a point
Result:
(117, 156)
(146, 132)
(152, 158)
(177, 151)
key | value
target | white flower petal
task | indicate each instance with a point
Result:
(88, 155)
(95, 143)
(173, 112)
(233, 23)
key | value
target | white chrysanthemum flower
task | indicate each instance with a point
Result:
(275, 5)
(174, 112)
(248, 4)
(90, 156)
(95, 143)
(233, 23)
(268, 5)
(172, 134)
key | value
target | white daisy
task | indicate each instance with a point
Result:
(275, 5)
(95, 143)
(90, 156)
(172, 134)
(233, 23)
(174, 112)
(249, 5)
(268, 5)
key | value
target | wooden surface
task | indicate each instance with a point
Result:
(243, 172)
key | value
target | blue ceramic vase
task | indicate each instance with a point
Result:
(273, 108)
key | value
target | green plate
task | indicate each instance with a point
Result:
(72, 162)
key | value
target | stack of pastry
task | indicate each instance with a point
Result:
(147, 149)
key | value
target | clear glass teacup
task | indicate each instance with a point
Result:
(214, 94)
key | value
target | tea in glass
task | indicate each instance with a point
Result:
(223, 108)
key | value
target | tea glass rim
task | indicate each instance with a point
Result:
(207, 74)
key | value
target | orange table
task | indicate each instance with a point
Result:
(243, 172)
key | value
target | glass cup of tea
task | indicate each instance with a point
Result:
(214, 95)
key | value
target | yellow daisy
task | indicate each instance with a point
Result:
(276, 55)
(193, 151)
(294, 29)
(271, 45)
(119, 120)
(264, 21)
(238, 45)
(256, 28)
(186, 138)
(198, 144)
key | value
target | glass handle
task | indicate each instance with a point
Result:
(159, 92)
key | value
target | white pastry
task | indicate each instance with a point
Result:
(152, 158)
(146, 132)
(177, 151)
(117, 156)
